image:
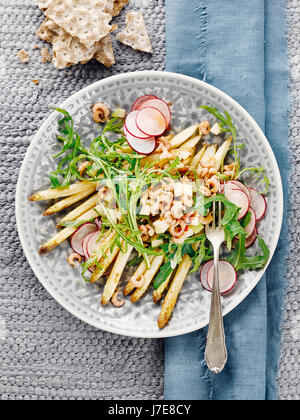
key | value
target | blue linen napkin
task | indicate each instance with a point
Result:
(238, 46)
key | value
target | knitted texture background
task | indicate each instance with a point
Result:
(289, 373)
(46, 353)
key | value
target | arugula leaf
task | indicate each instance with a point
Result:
(203, 205)
(173, 260)
(232, 229)
(239, 259)
(246, 219)
(260, 175)
(200, 257)
(163, 275)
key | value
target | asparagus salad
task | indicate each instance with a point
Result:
(140, 195)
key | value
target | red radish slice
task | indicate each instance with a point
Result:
(131, 127)
(203, 274)
(151, 122)
(249, 241)
(240, 199)
(85, 249)
(141, 100)
(79, 235)
(85, 243)
(258, 204)
(250, 228)
(142, 146)
(161, 105)
(230, 186)
(93, 243)
(227, 277)
(239, 185)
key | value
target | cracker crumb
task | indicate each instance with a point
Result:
(46, 56)
(23, 56)
(35, 81)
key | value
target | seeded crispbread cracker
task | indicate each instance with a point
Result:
(107, 8)
(68, 51)
(82, 19)
(43, 4)
(47, 30)
(105, 53)
(118, 6)
(135, 35)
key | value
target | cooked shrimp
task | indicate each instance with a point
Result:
(204, 128)
(73, 258)
(178, 230)
(100, 112)
(213, 183)
(116, 302)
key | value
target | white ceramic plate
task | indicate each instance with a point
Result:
(65, 284)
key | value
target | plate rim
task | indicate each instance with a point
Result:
(149, 73)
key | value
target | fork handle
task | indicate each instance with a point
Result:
(216, 352)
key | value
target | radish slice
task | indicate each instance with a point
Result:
(92, 243)
(79, 235)
(227, 277)
(258, 204)
(131, 127)
(85, 243)
(249, 241)
(141, 100)
(230, 185)
(142, 146)
(151, 122)
(250, 228)
(240, 199)
(161, 106)
(237, 184)
(203, 274)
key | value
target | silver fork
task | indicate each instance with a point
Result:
(216, 352)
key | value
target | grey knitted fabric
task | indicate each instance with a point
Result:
(46, 353)
(289, 373)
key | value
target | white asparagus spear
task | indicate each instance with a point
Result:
(137, 275)
(148, 276)
(62, 192)
(174, 290)
(66, 202)
(80, 210)
(115, 275)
